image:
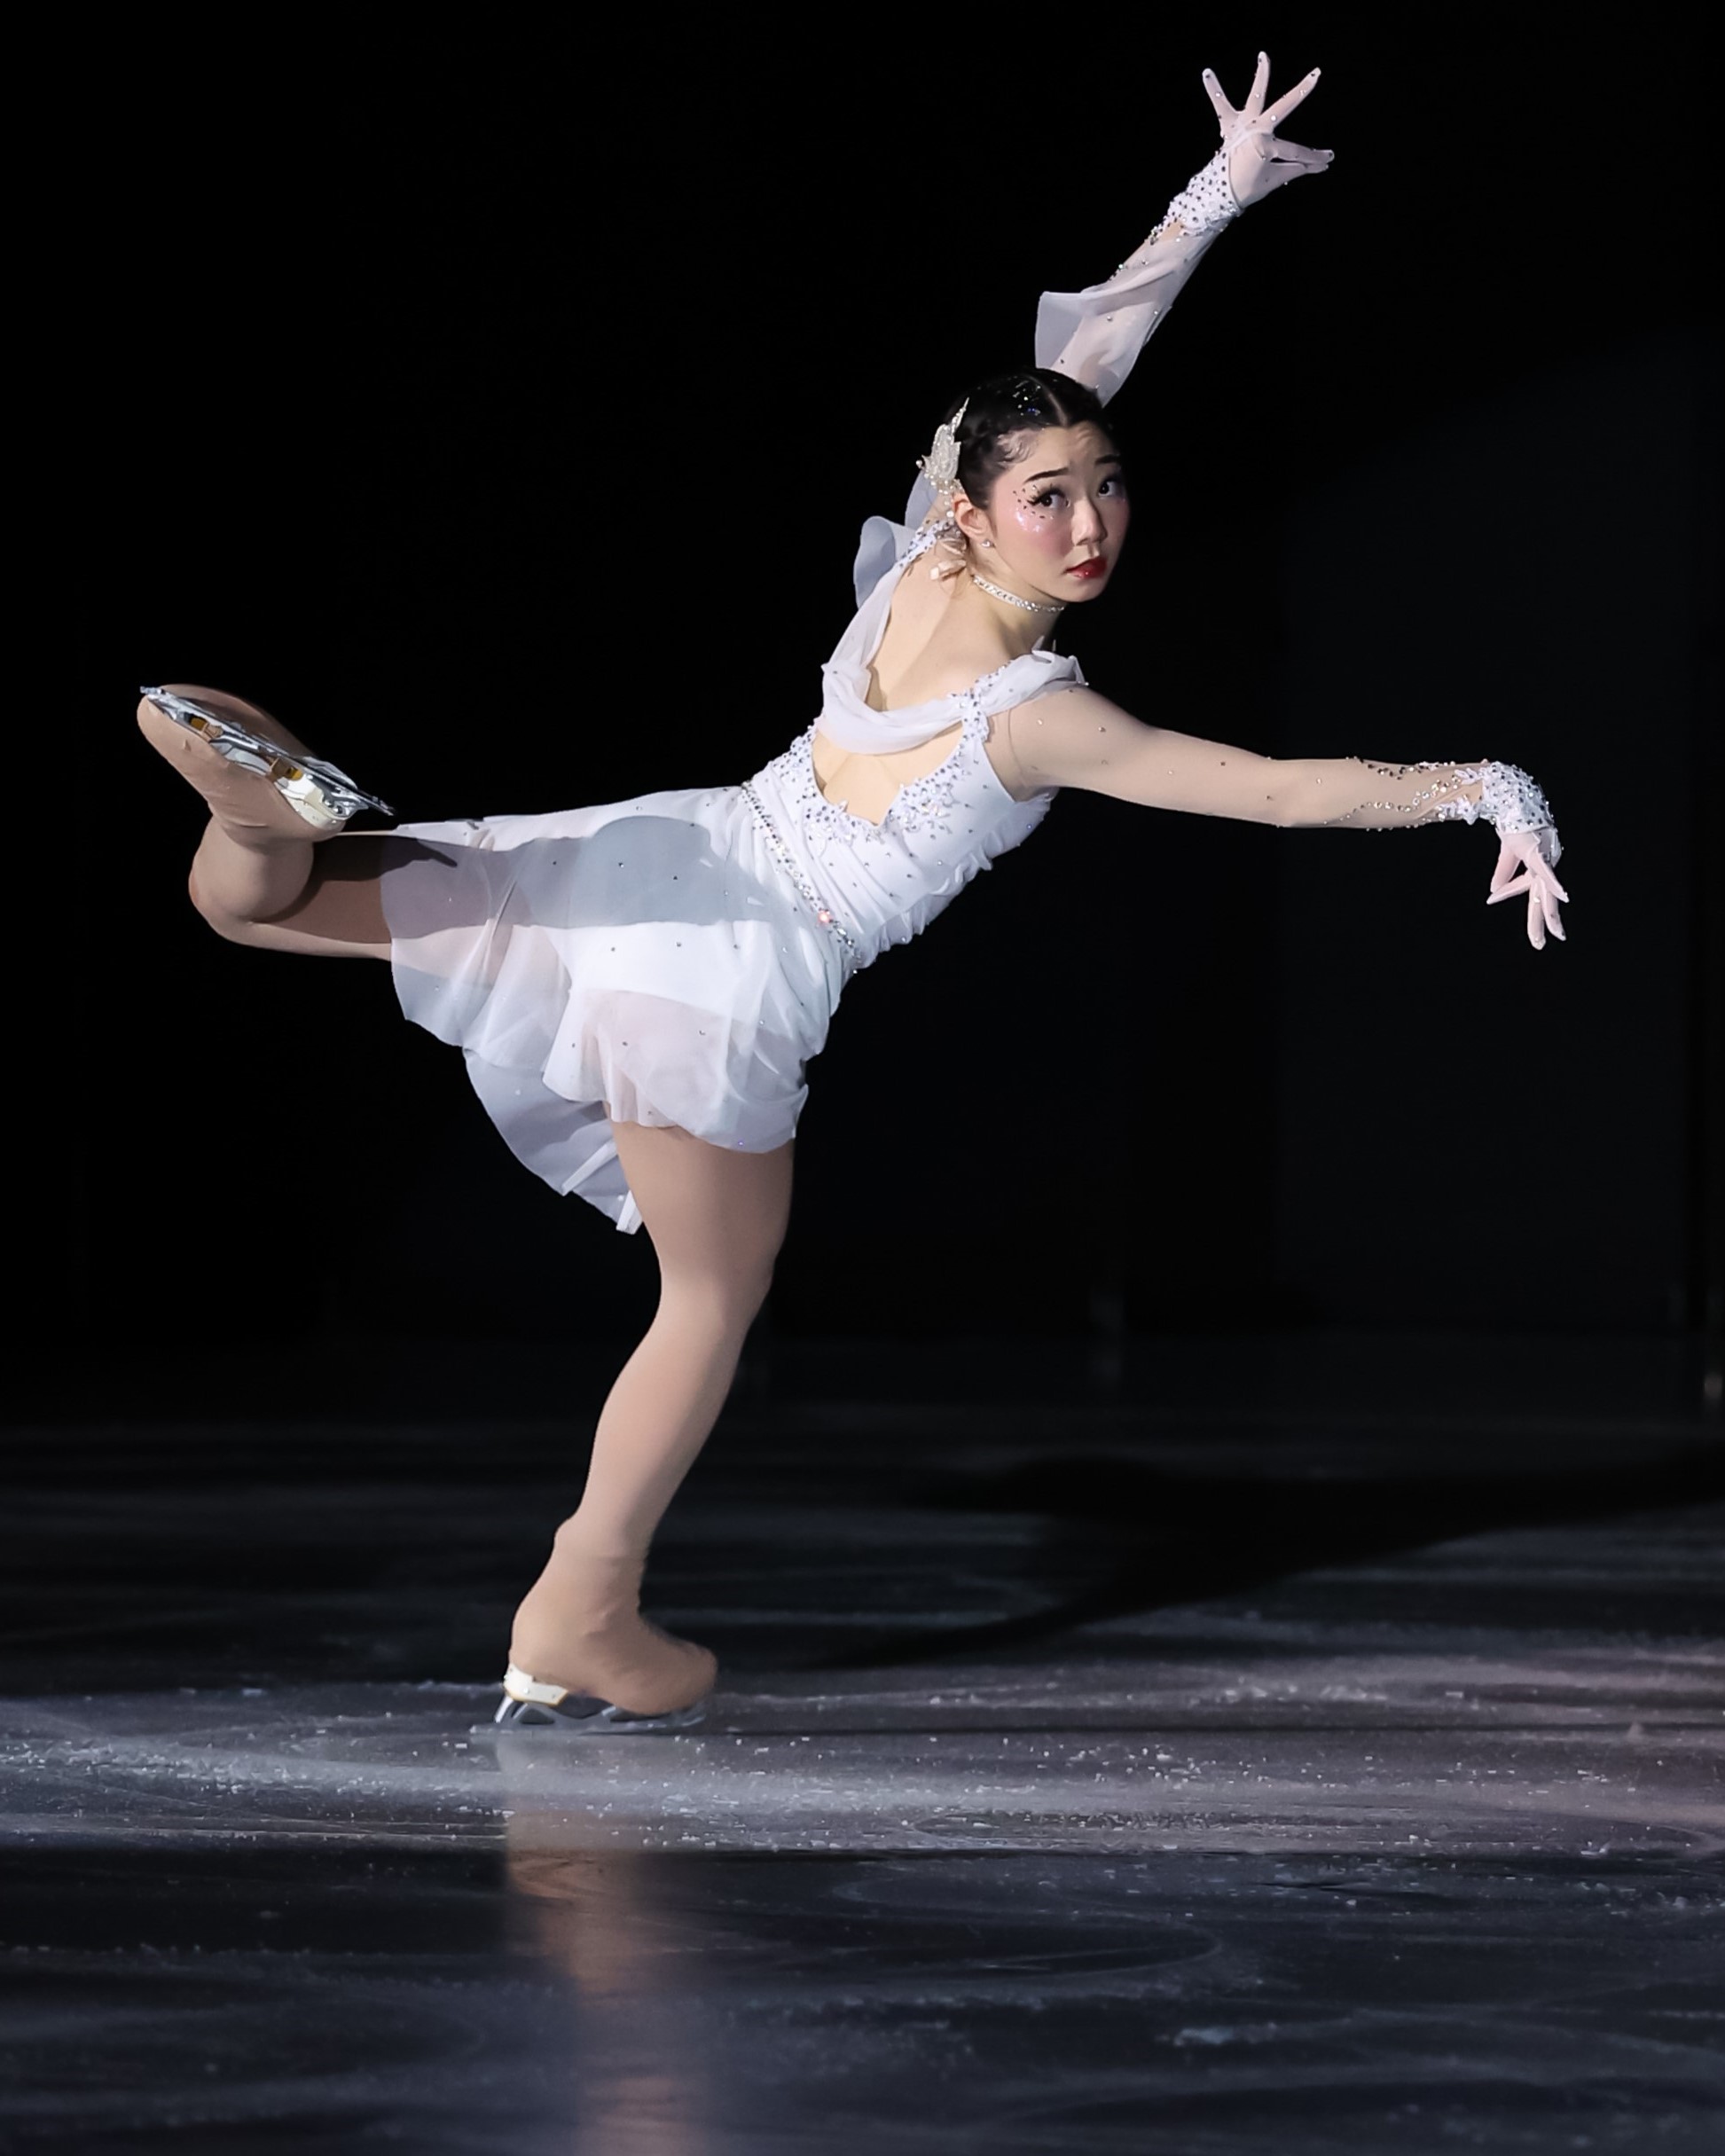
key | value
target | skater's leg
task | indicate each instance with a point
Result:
(717, 1218)
(259, 877)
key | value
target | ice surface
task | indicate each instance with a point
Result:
(1070, 1789)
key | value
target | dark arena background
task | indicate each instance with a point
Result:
(1214, 1547)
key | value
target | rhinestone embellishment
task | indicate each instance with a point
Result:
(924, 807)
(1028, 606)
(786, 860)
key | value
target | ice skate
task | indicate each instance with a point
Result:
(222, 747)
(627, 1673)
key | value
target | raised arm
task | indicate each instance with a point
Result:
(1078, 738)
(1096, 335)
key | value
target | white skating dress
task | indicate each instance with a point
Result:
(677, 958)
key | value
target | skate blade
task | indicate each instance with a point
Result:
(580, 1715)
(321, 793)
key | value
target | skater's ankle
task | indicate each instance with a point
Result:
(597, 1542)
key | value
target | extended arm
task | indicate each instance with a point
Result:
(1078, 738)
(1096, 334)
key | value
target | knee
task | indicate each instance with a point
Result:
(231, 926)
(746, 1290)
(727, 1298)
(753, 1290)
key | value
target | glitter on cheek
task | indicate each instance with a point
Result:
(1043, 529)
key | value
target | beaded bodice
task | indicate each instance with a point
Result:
(883, 882)
(872, 884)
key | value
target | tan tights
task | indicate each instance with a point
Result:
(716, 1219)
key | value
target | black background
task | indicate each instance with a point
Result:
(499, 406)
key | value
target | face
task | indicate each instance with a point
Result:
(1057, 517)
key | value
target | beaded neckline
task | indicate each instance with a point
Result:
(924, 805)
(918, 801)
(971, 688)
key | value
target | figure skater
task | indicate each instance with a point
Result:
(637, 988)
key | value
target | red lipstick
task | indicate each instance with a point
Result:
(1090, 569)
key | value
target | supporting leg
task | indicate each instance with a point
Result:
(717, 1219)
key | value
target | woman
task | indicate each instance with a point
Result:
(637, 988)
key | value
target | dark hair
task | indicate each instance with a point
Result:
(1001, 411)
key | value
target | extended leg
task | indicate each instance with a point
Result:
(717, 1219)
(260, 877)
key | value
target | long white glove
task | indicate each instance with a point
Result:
(1522, 851)
(1527, 857)
(1075, 737)
(1510, 801)
(1258, 162)
(1096, 334)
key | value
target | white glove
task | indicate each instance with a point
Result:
(1257, 162)
(1522, 856)
(1096, 335)
(1528, 859)
(1252, 162)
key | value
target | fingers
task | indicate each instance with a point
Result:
(1225, 111)
(1261, 83)
(1515, 890)
(1523, 871)
(1541, 893)
(1290, 99)
(1296, 152)
(1517, 850)
(1530, 882)
(1519, 854)
(1285, 169)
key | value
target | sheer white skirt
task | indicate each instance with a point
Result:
(645, 961)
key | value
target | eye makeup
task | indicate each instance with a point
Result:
(1111, 486)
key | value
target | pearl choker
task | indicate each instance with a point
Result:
(1029, 606)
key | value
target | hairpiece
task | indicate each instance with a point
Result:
(940, 467)
(1026, 391)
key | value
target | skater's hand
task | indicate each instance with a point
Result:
(1258, 162)
(1522, 866)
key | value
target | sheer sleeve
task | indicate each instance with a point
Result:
(1096, 335)
(1081, 739)
(1093, 335)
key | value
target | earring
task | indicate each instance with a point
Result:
(988, 541)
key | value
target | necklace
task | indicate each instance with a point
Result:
(1029, 606)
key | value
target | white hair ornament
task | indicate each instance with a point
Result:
(940, 467)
